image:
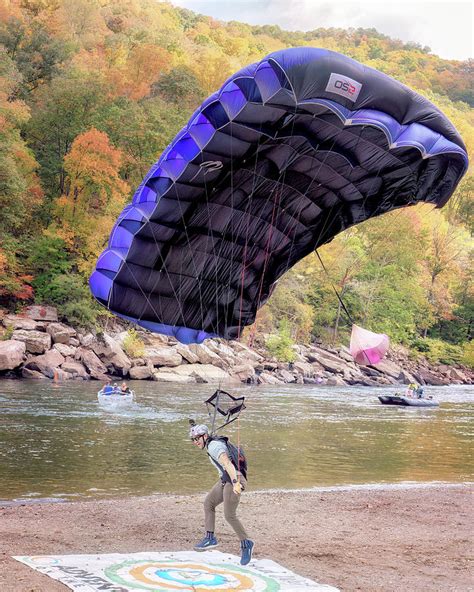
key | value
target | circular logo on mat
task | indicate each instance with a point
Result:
(43, 560)
(167, 576)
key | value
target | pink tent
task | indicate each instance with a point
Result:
(367, 347)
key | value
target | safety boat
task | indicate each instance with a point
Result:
(407, 401)
(115, 398)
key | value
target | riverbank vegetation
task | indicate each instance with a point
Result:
(92, 92)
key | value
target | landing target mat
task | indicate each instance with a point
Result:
(211, 571)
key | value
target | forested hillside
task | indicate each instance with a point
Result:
(92, 91)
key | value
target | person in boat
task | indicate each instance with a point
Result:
(116, 389)
(411, 389)
(108, 389)
(419, 392)
(227, 490)
(124, 390)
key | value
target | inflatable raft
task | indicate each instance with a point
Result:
(407, 401)
(115, 398)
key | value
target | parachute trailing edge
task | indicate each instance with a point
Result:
(288, 153)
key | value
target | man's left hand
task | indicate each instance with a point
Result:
(237, 487)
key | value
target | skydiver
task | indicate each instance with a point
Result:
(228, 489)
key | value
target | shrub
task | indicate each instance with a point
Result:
(70, 294)
(437, 351)
(281, 345)
(7, 333)
(133, 346)
(468, 355)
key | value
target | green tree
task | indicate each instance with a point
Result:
(64, 109)
(36, 53)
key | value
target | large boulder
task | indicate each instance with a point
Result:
(36, 342)
(267, 378)
(406, 378)
(389, 368)
(457, 376)
(156, 339)
(427, 377)
(345, 354)
(162, 356)
(47, 363)
(207, 356)
(203, 373)
(68, 351)
(327, 360)
(244, 353)
(90, 360)
(74, 369)
(87, 340)
(304, 368)
(222, 350)
(32, 374)
(141, 372)
(112, 355)
(335, 381)
(11, 354)
(184, 351)
(285, 375)
(41, 313)
(60, 333)
(166, 375)
(244, 372)
(18, 322)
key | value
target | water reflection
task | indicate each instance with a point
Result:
(61, 443)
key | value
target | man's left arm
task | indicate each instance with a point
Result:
(226, 463)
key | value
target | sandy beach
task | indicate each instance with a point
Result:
(416, 538)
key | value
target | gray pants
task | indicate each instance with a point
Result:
(224, 493)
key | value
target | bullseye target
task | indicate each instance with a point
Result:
(165, 576)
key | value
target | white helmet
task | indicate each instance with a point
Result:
(198, 430)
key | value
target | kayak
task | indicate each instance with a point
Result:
(115, 398)
(407, 401)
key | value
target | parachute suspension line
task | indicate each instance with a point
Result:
(341, 302)
(238, 443)
(314, 178)
(213, 424)
(266, 258)
(191, 252)
(210, 236)
(244, 259)
(232, 230)
(278, 193)
(159, 316)
(143, 292)
(294, 222)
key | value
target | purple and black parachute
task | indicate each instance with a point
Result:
(288, 153)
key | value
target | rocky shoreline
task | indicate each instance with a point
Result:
(35, 345)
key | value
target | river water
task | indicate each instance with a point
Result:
(59, 443)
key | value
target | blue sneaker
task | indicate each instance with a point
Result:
(247, 548)
(206, 543)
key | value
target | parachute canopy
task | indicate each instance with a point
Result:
(367, 347)
(289, 152)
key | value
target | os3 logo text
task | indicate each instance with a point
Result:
(344, 86)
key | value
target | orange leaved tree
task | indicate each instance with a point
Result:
(93, 197)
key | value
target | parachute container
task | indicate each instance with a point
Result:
(366, 347)
(289, 152)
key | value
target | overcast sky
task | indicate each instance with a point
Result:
(446, 27)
